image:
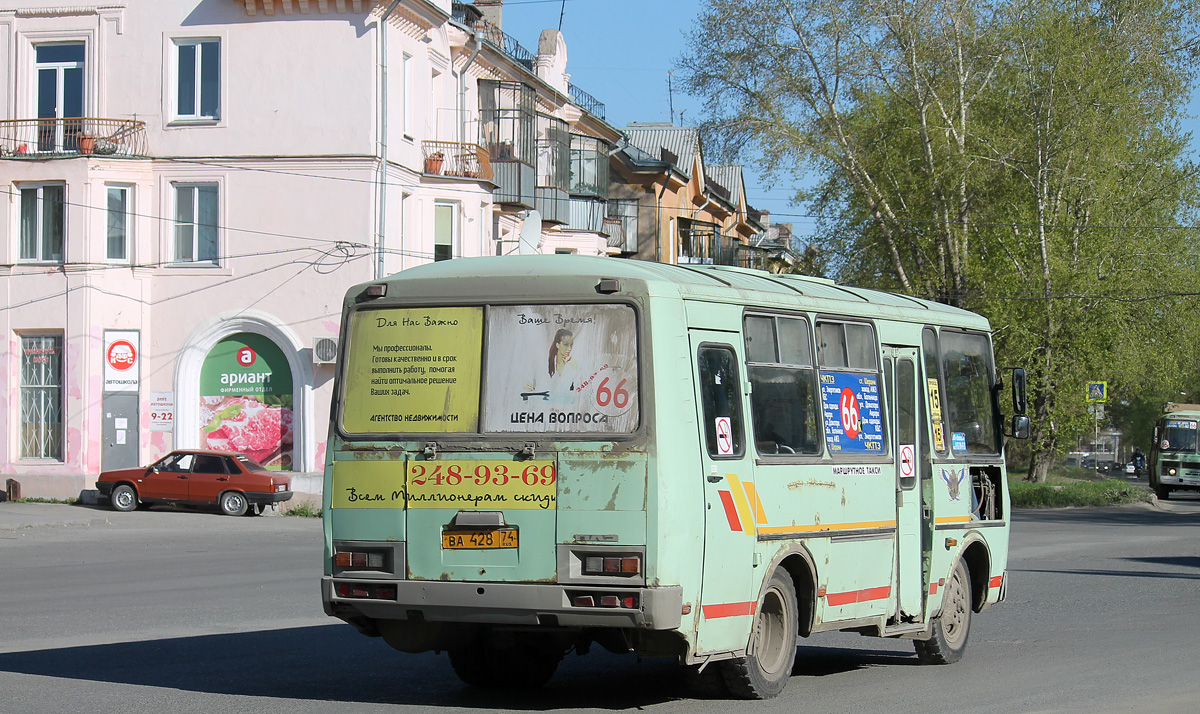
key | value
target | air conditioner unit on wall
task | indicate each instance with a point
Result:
(324, 350)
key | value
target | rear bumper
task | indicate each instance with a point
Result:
(519, 604)
(266, 499)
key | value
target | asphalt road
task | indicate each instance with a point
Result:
(196, 612)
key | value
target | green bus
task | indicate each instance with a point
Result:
(1174, 459)
(533, 454)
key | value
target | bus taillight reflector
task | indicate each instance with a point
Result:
(626, 565)
(629, 602)
(351, 559)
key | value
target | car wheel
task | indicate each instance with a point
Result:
(953, 626)
(233, 503)
(124, 498)
(765, 673)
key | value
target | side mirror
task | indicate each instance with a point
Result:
(1020, 427)
(1018, 392)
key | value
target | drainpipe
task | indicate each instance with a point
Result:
(658, 219)
(381, 181)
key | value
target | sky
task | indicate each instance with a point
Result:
(621, 52)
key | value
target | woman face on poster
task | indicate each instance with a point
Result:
(560, 351)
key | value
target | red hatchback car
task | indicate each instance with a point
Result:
(234, 482)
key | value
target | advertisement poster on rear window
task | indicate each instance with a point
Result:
(246, 400)
(561, 368)
(853, 422)
(413, 370)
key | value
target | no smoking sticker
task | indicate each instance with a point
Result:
(907, 461)
(724, 436)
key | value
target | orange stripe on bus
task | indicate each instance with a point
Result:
(739, 500)
(731, 609)
(828, 527)
(996, 581)
(953, 519)
(730, 511)
(859, 596)
(760, 516)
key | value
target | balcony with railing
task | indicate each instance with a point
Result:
(587, 102)
(457, 159)
(71, 137)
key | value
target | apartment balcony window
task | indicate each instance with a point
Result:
(702, 242)
(553, 168)
(624, 234)
(508, 125)
(42, 223)
(589, 166)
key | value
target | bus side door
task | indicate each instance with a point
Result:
(909, 448)
(728, 597)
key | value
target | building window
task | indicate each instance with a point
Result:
(589, 166)
(196, 223)
(117, 248)
(41, 397)
(508, 121)
(445, 230)
(406, 92)
(198, 79)
(42, 210)
(60, 95)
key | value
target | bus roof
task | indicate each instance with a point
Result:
(559, 274)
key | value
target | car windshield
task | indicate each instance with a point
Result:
(1179, 436)
(250, 464)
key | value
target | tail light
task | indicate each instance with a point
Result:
(628, 602)
(359, 559)
(368, 591)
(612, 565)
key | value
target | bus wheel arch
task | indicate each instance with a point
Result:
(978, 562)
(798, 563)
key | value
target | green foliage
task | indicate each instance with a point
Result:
(304, 509)
(1026, 494)
(70, 501)
(1023, 159)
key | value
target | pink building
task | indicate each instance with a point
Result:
(187, 188)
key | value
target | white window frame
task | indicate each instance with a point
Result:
(197, 116)
(454, 229)
(127, 217)
(407, 95)
(39, 224)
(194, 224)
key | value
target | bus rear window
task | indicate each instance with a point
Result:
(550, 368)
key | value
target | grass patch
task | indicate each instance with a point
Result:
(1061, 491)
(303, 510)
(68, 501)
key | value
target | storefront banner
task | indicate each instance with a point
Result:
(246, 400)
(121, 360)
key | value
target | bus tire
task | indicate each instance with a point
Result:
(471, 665)
(1163, 493)
(764, 673)
(953, 626)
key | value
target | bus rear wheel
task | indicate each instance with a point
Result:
(953, 626)
(764, 672)
(1162, 492)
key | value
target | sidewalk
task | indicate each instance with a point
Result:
(27, 515)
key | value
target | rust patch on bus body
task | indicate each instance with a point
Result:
(811, 482)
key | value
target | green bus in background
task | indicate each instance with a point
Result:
(1174, 459)
(532, 454)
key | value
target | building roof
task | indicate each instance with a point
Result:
(682, 142)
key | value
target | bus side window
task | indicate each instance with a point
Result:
(720, 394)
(783, 395)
